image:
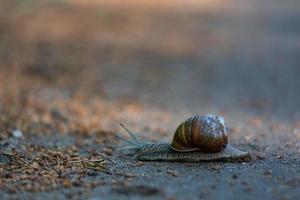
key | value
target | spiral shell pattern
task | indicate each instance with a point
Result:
(201, 133)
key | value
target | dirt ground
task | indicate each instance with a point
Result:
(71, 71)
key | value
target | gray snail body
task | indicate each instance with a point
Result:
(163, 152)
(199, 138)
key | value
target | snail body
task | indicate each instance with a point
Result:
(199, 138)
(163, 152)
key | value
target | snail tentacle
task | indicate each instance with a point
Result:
(130, 133)
(137, 144)
(128, 141)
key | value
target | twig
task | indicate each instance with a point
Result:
(105, 156)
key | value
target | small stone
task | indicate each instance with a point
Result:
(215, 167)
(173, 173)
(235, 176)
(268, 173)
(279, 157)
(129, 175)
(92, 173)
(259, 156)
(35, 165)
(17, 133)
(67, 183)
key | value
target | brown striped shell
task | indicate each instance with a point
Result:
(206, 133)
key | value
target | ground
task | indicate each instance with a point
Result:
(72, 71)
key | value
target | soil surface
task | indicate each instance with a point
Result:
(72, 71)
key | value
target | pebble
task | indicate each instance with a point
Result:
(173, 173)
(235, 176)
(92, 173)
(17, 133)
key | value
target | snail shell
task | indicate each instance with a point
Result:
(206, 133)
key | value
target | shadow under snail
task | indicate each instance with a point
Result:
(199, 138)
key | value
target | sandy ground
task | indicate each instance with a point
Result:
(79, 69)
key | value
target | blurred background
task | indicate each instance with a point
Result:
(72, 70)
(161, 59)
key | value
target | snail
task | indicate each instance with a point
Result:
(199, 138)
